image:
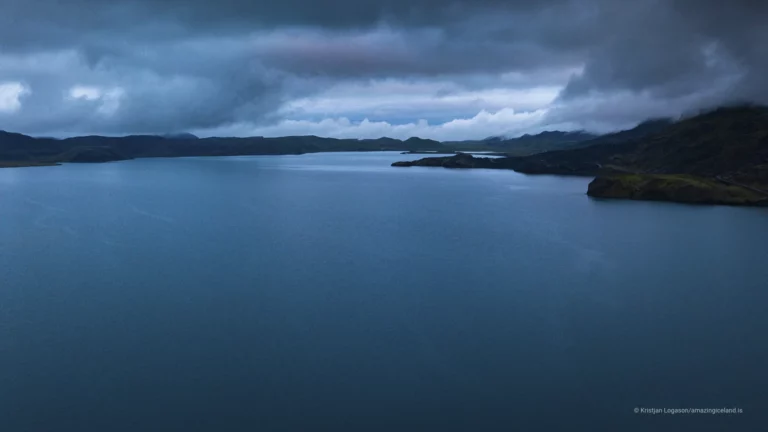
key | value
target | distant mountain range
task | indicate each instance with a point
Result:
(719, 156)
(22, 150)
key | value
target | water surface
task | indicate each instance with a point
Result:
(333, 292)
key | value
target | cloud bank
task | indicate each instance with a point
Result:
(450, 70)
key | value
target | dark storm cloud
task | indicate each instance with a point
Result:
(96, 15)
(331, 36)
(668, 58)
(197, 65)
(385, 52)
(678, 47)
(169, 65)
(134, 99)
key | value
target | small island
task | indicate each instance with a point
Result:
(459, 160)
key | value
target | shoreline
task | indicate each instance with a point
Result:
(611, 182)
(21, 164)
(33, 164)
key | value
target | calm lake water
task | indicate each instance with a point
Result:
(333, 292)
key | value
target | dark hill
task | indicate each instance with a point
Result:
(727, 146)
(644, 129)
(547, 138)
(728, 142)
(181, 136)
(90, 155)
(527, 144)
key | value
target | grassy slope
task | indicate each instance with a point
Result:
(673, 187)
(727, 142)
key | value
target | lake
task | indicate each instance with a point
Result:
(334, 292)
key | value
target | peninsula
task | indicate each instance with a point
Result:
(718, 157)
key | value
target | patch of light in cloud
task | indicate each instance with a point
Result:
(109, 100)
(10, 96)
(85, 92)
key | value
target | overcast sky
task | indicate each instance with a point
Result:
(438, 69)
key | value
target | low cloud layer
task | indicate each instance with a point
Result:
(502, 122)
(447, 70)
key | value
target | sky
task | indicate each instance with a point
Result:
(439, 69)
